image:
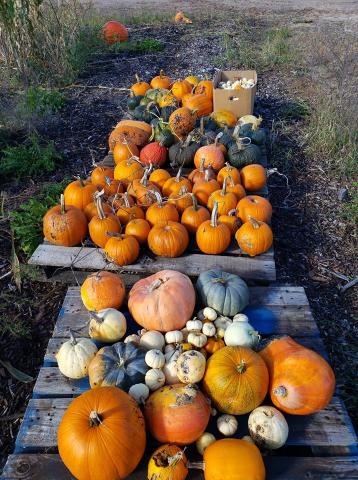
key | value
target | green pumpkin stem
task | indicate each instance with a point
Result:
(241, 368)
(94, 419)
(214, 215)
(280, 391)
(62, 203)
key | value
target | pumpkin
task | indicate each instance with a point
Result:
(155, 358)
(209, 329)
(202, 189)
(163, 301)
(152, 339)
(212, 157)
(213, 345)
(99, 175)
(194, 216)
(174, 336)
(181, 154)
(140, 393)
(122, 249)
(143, 190)
(236, 379)
(224, 118)
(192, 79)
(168, 239)
(225, 292)
(74, 356)
(90, 210)
(104, 416)
(268, 427)
(154, 379)
(205, 87)
(301, 381)
(119, 365)
(128, 170)
(79, 193)
(159, 177)
(139, 229)
(201, 103)
(199, 173)
(171, 407)
(254, 237)
(133, 100)
(102, 290)
(108, 325)
(180, 88)
(212, 237)
(241, 333)
(237, 189)
(161, 212)
(64, 225)
(182, 121)
(168, 462)
(256, 207)
(227, 425)
(228, 171)
(112, 187)
(153, 154)
(241, 153)
(181, 200)
(175, 184)
(114, 31)
(191, 366)
(204, 441)
(226, 201)
(160, 81)
(140, 88)
(231, 221)
(167, 100)
(253, 177)
(101, 225)
(133, 131)
(129, 212)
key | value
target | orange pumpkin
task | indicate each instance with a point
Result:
(204, 188)
(236, 379)
(139, 229)
(161, 81)
(226, 200)
(253, 177)
(168, 239)
(201, 103)
(112, 187)
(254, 237)
(64, 225)
(172, 407)
(199, 173)
(231, 221)
(256, 207)
(101, 225)
(181, 200)
(122, 249)
(236, 188)
(194, 216)
(100, 174)
(214, 344)
(114, 31)
(182, 121)
(143, 190)
(228, 171)
(120, 200)
(79, 193)
(175, 184)
(124, 150)
(161, 212)
(140, 88)
(212, 237)
(181, 88)
(91, 210)
(205, 87)
(133, 131)
(193, 80)
(102, 416)
(128, 170)
(211, 155)
(163, 301)
(129, 212)
(168, 462)
(102, 290)
(167, 100)
(159, 177)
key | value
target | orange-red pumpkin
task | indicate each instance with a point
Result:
(153, 154)
(102, 290)
(211, 155)
(114, 31)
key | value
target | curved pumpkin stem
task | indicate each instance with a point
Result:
(178, 175)
(223, 190)
(214, 215)
(94, 419)
(94, 316)
(161, 73)
(73, 338)
(144, 179)
(156, 284)
(196, 465)
(195, 202)
(100, 210)
(158, 198)
(137, 78)
(218, 136)
(62, 203)
(254, 222)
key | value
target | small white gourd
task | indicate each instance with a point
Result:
(132, 338)
(191, 366)
(209, 329)
(74, 357)
(241, 333)
(169, 348)
(210, 314)
(154, 359)
(221, 324)
(107, 325)
(140, 393)
(152, 339)
(185, 333)
(227, 425)
(204, 441)
(194, 325)
(175, 336)
(240, 317)
(197, 339)
(154, 379)
(268, 427)
(170, 370)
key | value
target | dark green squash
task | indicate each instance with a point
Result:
(257, 135)
(242, 153)
(165, 137)
(182, 153)
(208, 123)
(167, 111)
(226, 139)
(134, 101)
(146, 113)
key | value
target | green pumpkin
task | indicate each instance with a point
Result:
(257, 136)
(167, 111)
(241, 155)
(155, 94)
(207, 122)
(145, 113)
(165, 137)
(182, 153)
(120, 365)
(226, 138)
(134, 101)
(225, 292)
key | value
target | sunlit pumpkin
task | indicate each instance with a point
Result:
(228, 171)
(130, 130)
(199, 173)
(160, 81)
(168, 462)
(253, 177)
(102, 225)
(205, 87)
(181, 200)
(161, 212)
(114, 31)
(182, 121)
(122, 249)
(158, 177)
(128, 170)
(226, 200)
(224, 118)
(124, 151)
(211, 155)
(143, 190)
(256, 207)
(212, 237)
(236, 188)
(204, 188)
(175, 184)
(180, 88)
(99, 175)
(168, 239)
(79, 193)
(102, 290)
(231, 221)
(140, 87)
(201, 103)
(128, 211)
(194, 216)
(139, 229)
(254, 237)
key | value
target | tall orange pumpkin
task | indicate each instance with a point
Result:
(236, 379)
(114, 31)
(177, 414)
(301, 381)
(254, 237)
(253, 177)
(79, 193)
(194, 216)
(101, 225)
(226, 200)
(256, 207)
(213, 237)
(168, 239)
(161, 212)
(102, 290)
(105, 416)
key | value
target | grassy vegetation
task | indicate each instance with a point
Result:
(42, 101)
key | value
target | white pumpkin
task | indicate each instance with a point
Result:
(132, 338)
(241, 333)
(240, 317)
(140, 393)
(175, 336)
(197, 339)
(108, 325)
(74, 357)
(191, 366)
(194, 325)
(268, 427)
(154, 379)
(152, 339)
(210, 314)
(154, 359)
(204, 441)
(200, 315)
(169, 348)
(171, 373)
(227, 425)
(209, 329)
(221, 324)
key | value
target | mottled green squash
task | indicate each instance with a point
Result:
(167, 111)
(134, 101)
(242, 153)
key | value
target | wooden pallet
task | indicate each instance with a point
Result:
(329, 431)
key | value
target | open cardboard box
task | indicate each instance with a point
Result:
(240, 102)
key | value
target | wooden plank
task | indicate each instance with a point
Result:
(329, 427)
(256, 268)
(50, 467)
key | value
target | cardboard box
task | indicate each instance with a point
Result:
(240, 102)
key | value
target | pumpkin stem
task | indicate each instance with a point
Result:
(94, 316)
(214, 215)
(80, 181)
(202, 129)
(254, 222)
(107, 180)
(94, 419)
(196, 465)
(218, 136)
(73, 338)
(158, 198)
(156, 284)
(232, 212)
(126, 200)
(241, 368)
(280, 391)
(100, 210)
(195, 202)
(137, 77)
(62, 203)
(144, 179)
(161, 73)
(223, 190)
(206, 176)
(178, 175)
(202, 163)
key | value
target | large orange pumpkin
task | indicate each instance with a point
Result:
(177, 414)
(102, 290)
(201, 103)
(134, 131)
(254, 237)
(211, 155)
(301, 381)
(164, 301)
(253, 177)
(79, 193)
(213, 237)
(114, 31)
(168, 239)
(256, 207)
(236, 379)
(102, 435)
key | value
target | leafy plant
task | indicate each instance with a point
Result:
(146, 45)
(43, 101)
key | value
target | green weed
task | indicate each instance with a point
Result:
(350, 209)
(42, 101)
(294, 110)
(146, 45)
(276, 49)
(15, 326)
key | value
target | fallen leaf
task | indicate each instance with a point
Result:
(18, 374)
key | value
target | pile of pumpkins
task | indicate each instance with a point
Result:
(139, 202)
(170, 377)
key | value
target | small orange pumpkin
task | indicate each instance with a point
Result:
(120, 200)
(205, 87)
(181, 200)
(175, 184)
(128, 170)
(79, 193)
(168, 239)
(254, 237)
(214, 344)
(122, 249)
(182, 121)
(159, 177)
(101, 225)
(91, 210)
(211, 155)
(181, 88)
(99, 175)
(140, 88)
(229, 171)
(103, 290)
(253, 177)
(212, 237)
(124, 150)
(231, 221)
(112, 187)
(161, 212)
(236, 188)
(204, 188)
(139, 229)
(128, 211)
(224, 118)
(114, 31)
(194, 216)
(226, 200)
(256, 207)
(143, 190)
(161, 81)
(199, 173)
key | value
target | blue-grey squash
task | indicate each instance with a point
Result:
(242, 153)
(225, 292)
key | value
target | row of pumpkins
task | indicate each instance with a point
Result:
(174, 374)
(139, 202)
